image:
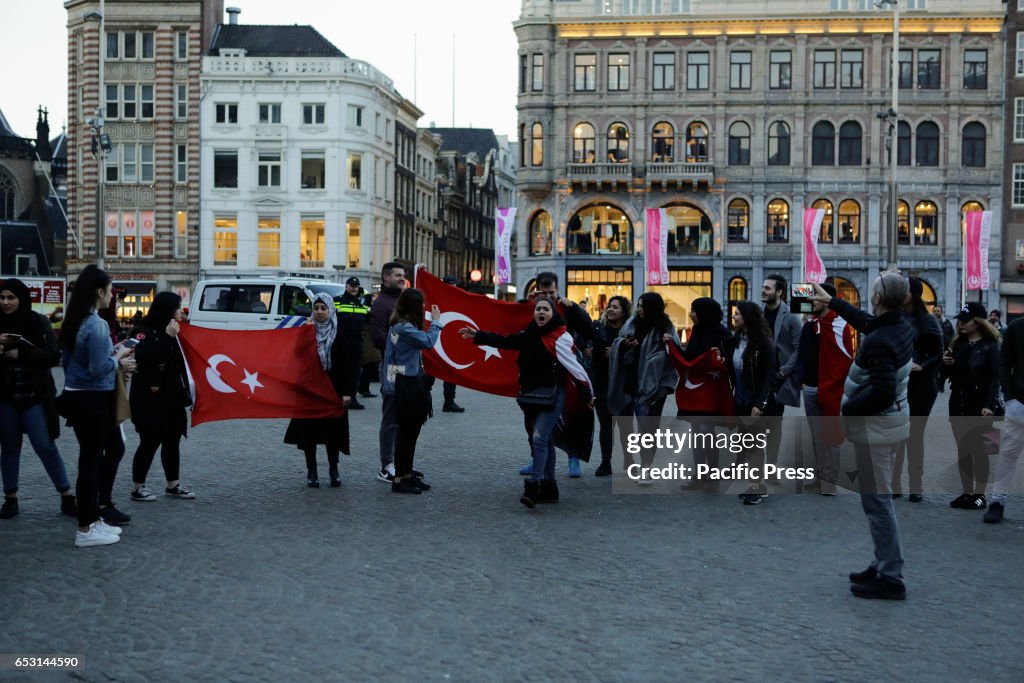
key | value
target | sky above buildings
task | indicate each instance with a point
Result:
(33, 52)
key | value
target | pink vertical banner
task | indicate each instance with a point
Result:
(504, 224)
(814, 267)
(656, 246)
(976, 238)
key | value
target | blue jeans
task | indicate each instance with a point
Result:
(31, 421)
(542, 440)
(874, 466)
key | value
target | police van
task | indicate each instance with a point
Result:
(257, 303)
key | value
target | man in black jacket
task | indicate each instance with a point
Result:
(947, 339)
(352, 319)
(876, 421)
(392, 282)
(1011, 378)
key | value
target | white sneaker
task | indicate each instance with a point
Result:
(94, 536)
(108, 529)
(143, 495)
(387, 474)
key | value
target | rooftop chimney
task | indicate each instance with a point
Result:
(233, 13)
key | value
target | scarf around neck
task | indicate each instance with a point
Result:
(325, 331)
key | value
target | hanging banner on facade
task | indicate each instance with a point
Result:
(656, 246)
(113, 225)
(976, 238)
(504, 224)
(814, 267)
(147, 223)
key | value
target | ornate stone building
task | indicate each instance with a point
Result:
(734, 116)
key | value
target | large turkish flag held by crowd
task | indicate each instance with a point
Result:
(256, 374)
(459, 360)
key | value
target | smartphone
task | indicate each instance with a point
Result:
(799, 298)
(129, 343)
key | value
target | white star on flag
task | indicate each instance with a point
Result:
(490, 351)
(252, 379)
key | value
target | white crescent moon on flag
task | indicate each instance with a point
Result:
(690, 385)
(448, 317)
(213, 377)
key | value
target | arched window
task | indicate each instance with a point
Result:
(737, 293)
(927, 294)
(849, 221)
(823, 144)
(618, 143)
(662, 142)
(739, 144)
(849, 144)
(778, 221)
(825, 235)
(903, 222)
(696, 142)
(928, 144)
(540, 234)
(537, 148)
(739, 221)
(903, 144)
(968, 206)
(7, 195)
(583, 149)
(926, 223)
(973, 145)
(778, 144)
(693, 232)
(600, 229)
(846, 290)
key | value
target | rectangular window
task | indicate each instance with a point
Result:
(225, 168)
(739, 70)
(1020, 55)
(226, 113)
(112, 234)
(353, 225)
(129, 45)
(113, 164)
(147, 45)
(130, 105)
(975, 69)
(225, 240)
(1018, 184)
(314, 169)
(585, 73)
(780, 73)
(916, 4)
(181, 46)
(112, 43)
(313, 114)
(664, 77)
(1018, 119)
(851, 74)
(355, 116)
(129, 170)
(268, 242)
(181, 101)
(146, 101)
(537, 79)
(929, 70)
(147, 234)
(311, 241)
(698, 70)
(824, 68)
(271, 113)
(354, 171)
(129, 234)
(181, 164)
(112, 102)
(618, 71)
(522, 72)
(906, 69)
(269, 169)
(146, 163)
(181, 234)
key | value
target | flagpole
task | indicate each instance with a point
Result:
(963, 274)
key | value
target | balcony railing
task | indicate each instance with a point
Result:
(600, 171)
(700, 170)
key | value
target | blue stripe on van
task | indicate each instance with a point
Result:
(283, 323)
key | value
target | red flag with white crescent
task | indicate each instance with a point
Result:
(256, 374)
(703, 383)
(835, 356)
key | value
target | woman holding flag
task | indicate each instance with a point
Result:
(555, 395)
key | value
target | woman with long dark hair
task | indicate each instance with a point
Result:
(606, 330)
(405, 380)
(546, 358)
(307, 433)
(750, 358)
(159, 397)
(28, 349)
(922, 390)
(90, 368)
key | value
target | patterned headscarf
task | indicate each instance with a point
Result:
(325, 331)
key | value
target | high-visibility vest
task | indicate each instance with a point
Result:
(354, 309)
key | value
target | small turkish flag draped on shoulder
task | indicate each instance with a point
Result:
(256, 374)
(703, 383)
(460, 361)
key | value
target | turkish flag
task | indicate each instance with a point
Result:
(703, 383)
(458, 360)
(835, 356)
(256, 374)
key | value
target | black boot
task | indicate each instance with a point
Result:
(548, 492)
(68, 506)
(312, 479)
(10, 508)
(531, 493)
(604, 469)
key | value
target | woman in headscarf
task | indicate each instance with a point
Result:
(28, 349)
(554, 395)
(159, 396)
(307, 433)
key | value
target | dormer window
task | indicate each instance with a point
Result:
(232, 52)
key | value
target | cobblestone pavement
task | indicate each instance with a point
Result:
(262, 579)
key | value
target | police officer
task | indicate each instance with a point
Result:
(353, 316)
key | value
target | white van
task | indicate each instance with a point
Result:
(256, 303)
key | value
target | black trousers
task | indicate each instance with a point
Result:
(409, 427)
(449, 392)
(170, 455)
(90, 415)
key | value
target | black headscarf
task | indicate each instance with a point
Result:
(161, 311)
(19, 322)
(709, 331)
(555, 322)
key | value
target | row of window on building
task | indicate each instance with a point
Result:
(141, 45)
(265, 239)
(131, 233)
(312, 171)
(829, 68)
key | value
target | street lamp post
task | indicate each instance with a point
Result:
(892, 117)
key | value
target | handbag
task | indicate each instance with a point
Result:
(412, 395)
(541, 397)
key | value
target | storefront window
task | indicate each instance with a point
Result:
(926, 221)
(825, 235)
(684, 285)
(693, 232)
(903, 222)
(540, 234)
(592, 288)
(600, 229)
(737, 293)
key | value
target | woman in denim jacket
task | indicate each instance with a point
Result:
(404, 379)
(90, 366)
